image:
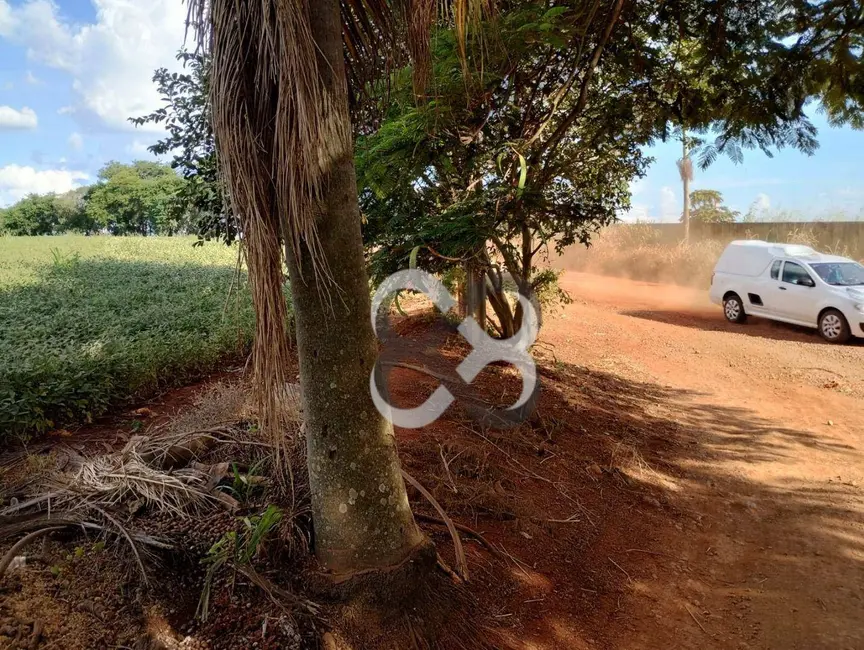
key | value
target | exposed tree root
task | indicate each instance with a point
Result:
(416, 606)
(465, 529)
(457, 541)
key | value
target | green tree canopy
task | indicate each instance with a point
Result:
(706, 206)
(35, 214)
(533, 140)
(136, 199)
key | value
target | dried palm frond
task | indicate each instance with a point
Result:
(110, 481)
(685, 168)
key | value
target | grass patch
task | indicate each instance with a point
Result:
(89, 321)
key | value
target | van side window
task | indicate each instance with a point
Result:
(775, 269)
(795, 274)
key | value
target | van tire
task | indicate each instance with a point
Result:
(733, 308)
(833, 327)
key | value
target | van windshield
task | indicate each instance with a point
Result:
(840, 274)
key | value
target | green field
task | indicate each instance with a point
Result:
(86, 322)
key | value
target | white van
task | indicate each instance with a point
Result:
(793, 284)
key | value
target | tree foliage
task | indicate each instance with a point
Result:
(186, 120)
(47, 214)
(706, 206)
(136, 199)
(127, 199)
(537, 144)
(33, 215)
(486, 170)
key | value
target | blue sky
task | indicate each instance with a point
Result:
(73, 71)
(822, 186)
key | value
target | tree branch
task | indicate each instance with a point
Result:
(565, 125)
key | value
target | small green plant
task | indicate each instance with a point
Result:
(237, 550)
(244, 485)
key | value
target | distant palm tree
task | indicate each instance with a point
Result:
(280, 99)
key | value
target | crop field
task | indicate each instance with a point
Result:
(89, 321)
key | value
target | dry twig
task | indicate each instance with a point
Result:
(696, 619)
(463, 528)
(621, 569)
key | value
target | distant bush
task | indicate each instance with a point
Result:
(90, 321)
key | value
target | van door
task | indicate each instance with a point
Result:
(796, 295)
(762, 295)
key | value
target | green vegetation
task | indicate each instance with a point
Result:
(140, 198)
(707, 207)
(87, 321)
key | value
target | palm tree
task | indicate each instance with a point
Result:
(281, 120)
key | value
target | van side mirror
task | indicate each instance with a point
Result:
(805, 282)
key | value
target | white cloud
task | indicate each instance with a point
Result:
(66, 110)
(76, 141)
(762, 202)
(637, 212)
(16, 181)
(112, 60)
(670, 206)
(14, 119)
(138, 148)
(32, 79)
(639, 186)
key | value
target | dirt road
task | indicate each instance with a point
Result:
(769, 476)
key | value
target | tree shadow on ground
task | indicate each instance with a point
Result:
(623, 501)
(755, 326)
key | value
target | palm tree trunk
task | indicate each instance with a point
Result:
(359, 503)
(686, 180)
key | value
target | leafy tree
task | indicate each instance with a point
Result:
(485, 170)
(186, 119)
(707, 207)
(537, 150)
(35, 214)
(136, 199)
(611, 73)
(72, 212)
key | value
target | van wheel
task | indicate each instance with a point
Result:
(733, 308)
(833, 327)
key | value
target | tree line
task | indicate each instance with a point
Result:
(140, 198)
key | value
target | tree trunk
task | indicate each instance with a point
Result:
(359, 503)
(686, 179)
(475, 293)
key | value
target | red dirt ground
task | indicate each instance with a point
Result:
(728, 510)
(686, 483)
